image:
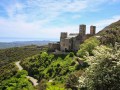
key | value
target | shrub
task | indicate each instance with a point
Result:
(71, 54)
(88, 46)
(104, 70)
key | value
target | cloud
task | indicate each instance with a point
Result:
(33, 30)
(32, 18)
(14, 10)
(76, 16)
(35, 10)
(50, 9)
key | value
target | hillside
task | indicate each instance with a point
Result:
(18, 53)
(95, 66)
(9, 56)
(65, 72)
(115, 25)
(110, 34)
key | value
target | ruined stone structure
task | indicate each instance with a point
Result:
(54, 46)
(72, 41)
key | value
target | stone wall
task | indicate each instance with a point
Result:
(65, 44)
(72, 43)
(54, 46)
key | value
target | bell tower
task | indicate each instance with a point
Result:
(82, 29)
(92, 30)
(63, 35)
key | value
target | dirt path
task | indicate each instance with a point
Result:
(50, 81)
(18, 65)
(33, 80)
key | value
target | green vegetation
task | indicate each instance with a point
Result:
(9, 56)
(18, 82)
(48, 67)
(52, 86)
(103, 61)
(17, 53)
(61, 70)
(110, 34)
(88, 46)
(72, 81)
(104, 70)
(7, 71)
(36, 64)
(96, 66)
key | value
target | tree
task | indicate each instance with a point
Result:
(88, 46)
(104, 70)
(42, 85)
(18, 82)
(72, 82)
(22, 73)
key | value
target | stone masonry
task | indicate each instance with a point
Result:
(72, 41)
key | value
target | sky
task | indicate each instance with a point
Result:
(45, 19)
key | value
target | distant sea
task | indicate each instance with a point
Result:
(25, 39)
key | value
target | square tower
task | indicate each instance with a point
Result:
(82, 29)
(63, 35)
(62, 40)
(92, 30)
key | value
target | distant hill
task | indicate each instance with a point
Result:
(4, 45)
(19, 53)
(110, 34)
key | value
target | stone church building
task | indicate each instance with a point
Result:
(72, 41)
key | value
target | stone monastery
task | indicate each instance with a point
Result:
(72, 41)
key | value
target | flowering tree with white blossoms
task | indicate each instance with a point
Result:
(103, 72)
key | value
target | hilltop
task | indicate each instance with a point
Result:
(110, 34)
(115, 25)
